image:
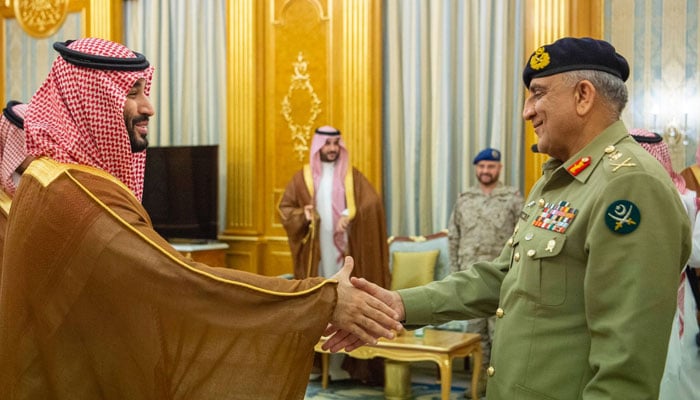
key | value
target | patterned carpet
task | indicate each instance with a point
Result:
(424, 387)
(349, 390)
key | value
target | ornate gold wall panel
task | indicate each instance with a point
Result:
(40, 18)
(295, 65)
(548, 20)
(277, 259)
(244, 112)
(37, 21)
(104, 19)
(362, 73)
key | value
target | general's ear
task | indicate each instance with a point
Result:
(585, 94)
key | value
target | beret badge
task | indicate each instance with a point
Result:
(539, 59)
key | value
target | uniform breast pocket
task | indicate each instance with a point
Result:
(543, 272)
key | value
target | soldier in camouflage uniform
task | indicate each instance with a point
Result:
(482, 220)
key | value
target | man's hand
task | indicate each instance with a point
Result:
(342, 225)
(309, 212)
(341, 340)
(358, 318)
(388, 297)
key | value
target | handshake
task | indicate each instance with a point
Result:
(363, 313)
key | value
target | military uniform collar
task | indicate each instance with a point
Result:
(582, 164)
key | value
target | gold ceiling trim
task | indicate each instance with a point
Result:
(40, 18)
(301, 132)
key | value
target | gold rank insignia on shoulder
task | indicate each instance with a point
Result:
(622, 217)
(613, 155)
(580, 165)
(625, 163)
(556, 217)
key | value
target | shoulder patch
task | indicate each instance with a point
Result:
(623, 217)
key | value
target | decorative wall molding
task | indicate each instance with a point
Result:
(40, 19)
(294, 65)
(301, 130)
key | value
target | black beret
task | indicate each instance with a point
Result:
(572, 54)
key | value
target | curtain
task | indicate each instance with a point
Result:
(659, 39)
(452, 86)
(185, 41)
(28, 59)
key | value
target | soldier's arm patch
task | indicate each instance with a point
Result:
(622, 216)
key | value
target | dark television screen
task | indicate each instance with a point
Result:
(180, 191)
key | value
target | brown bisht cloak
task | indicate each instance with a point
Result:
(94, 304)
(367, 239)
(5, 203)
(691, 175)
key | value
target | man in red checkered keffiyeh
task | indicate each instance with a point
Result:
(13, 160)
(653, 143)
(14, 152)
(78, 115)
(682, 363)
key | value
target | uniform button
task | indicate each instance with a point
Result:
(491, 371)
(531, 253)
(516, 257)
(499, 312)
(510, 241)
(529, 236)
(540, 202)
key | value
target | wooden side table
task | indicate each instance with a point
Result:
(211, 253)
(435, 345)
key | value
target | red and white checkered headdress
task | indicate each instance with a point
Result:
(13, 149)
(653, 143)
(77, 115)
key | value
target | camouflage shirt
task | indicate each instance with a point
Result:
(481, 224)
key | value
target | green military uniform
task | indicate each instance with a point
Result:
(585, 289)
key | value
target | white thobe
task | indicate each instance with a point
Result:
(330, 262)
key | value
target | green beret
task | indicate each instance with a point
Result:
(573, 54)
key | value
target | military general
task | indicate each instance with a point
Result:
(585, 289)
